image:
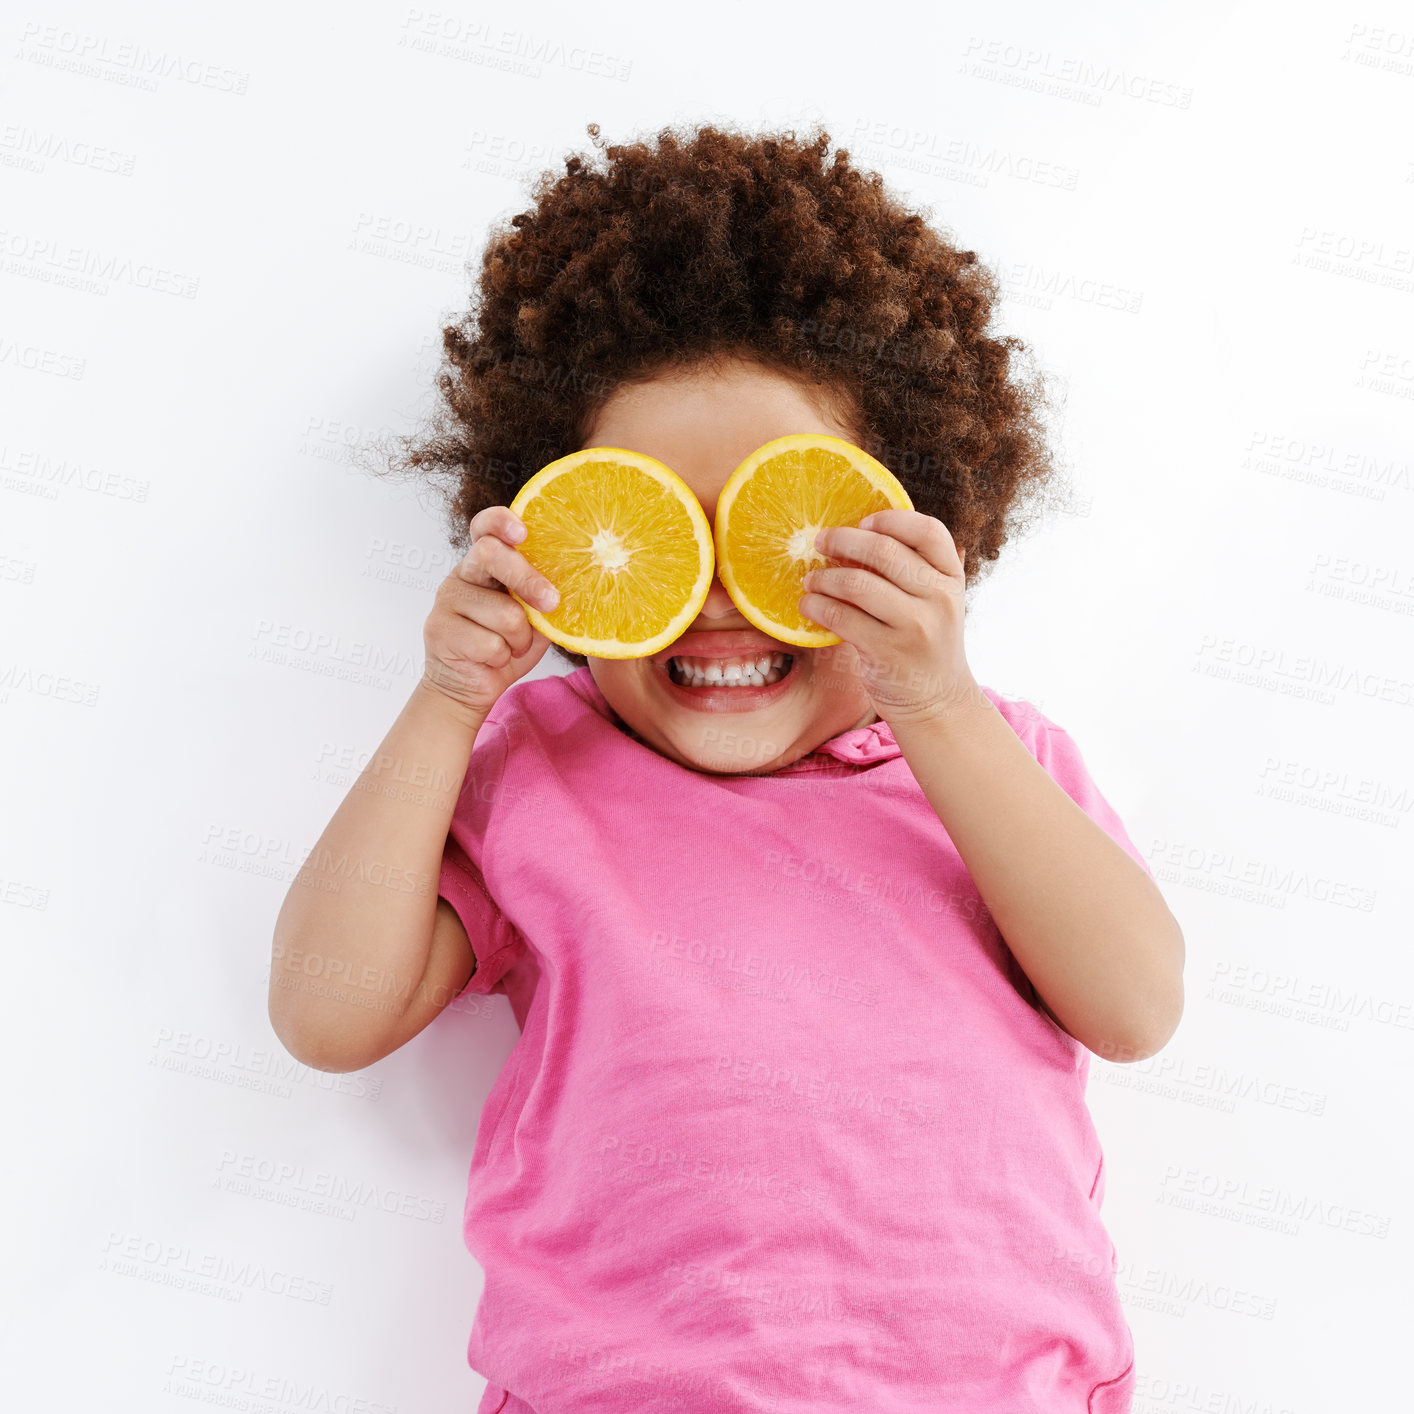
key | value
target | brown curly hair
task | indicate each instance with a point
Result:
(713, 242)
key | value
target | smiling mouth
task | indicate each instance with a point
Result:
(755, 670)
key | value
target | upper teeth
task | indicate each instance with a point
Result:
(742, 672)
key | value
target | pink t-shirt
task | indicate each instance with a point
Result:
(785, 1129)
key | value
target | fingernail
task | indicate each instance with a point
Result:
(549, 598)
(517, 531)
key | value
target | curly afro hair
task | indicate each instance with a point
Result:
(710, 243)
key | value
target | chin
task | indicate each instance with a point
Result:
(728, 744)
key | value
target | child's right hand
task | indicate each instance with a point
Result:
(478, 639)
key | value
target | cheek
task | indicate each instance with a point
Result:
(832, 670)
(622, 680)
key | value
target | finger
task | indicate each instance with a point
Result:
(883, 603)
(492, 563)
(476, 643)
(926, 535)
(490, 611)
(532, 638)
(498, 520)
(852, 623)
(885, 555)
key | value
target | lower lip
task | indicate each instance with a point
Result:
(726, 699)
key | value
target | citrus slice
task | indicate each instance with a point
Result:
(627, 544)
(768, 515)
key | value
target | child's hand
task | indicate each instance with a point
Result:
(899, 604)
(478, 639)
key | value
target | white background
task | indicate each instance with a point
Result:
(1202, 215)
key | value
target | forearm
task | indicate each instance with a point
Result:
(352, 939)
(1086, 923)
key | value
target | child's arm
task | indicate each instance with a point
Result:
(363, 957)
(1087, 924)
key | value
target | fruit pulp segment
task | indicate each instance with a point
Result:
(621, 551)
(774, 520)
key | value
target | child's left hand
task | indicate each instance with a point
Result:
(901, 610)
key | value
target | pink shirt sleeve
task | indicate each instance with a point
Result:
(1056, 750)
(494, 938)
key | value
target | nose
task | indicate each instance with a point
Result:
(720, 605)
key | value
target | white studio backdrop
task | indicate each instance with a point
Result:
(230, 239)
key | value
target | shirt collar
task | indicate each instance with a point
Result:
(862, 746)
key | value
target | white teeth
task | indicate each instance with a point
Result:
(746, 672)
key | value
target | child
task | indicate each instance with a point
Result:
(809, 955)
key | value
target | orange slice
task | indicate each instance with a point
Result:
(627, 544)
(768, 515)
